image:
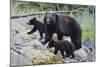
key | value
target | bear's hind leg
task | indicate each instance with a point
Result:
(77, 42)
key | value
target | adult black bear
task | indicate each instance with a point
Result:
(62, 26)
(37, 26)
(62, 46)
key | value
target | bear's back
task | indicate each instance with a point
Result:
(64, 45)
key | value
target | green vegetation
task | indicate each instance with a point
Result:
(84, 14)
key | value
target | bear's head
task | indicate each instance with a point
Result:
(50, 44)
(50, 19)
(32, 21)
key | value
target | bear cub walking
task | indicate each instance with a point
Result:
(63, 46)
(37, 26)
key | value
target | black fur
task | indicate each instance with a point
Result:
(63, 46)
(62, 26)
(37, 26)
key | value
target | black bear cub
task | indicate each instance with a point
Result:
(37, 26)
(63, 46)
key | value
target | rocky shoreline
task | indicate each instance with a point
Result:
(27, 49)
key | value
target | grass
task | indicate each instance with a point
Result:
(87, 23)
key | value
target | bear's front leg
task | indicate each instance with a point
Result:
(47, 38)
(32, 31)
(56, 51)
(29, 32)
(41, 36)
(62, 53)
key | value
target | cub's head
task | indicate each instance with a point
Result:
(50, 44)
(32, 21)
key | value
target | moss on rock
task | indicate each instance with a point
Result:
(44, 57)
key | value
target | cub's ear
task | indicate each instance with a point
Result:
(34, 18)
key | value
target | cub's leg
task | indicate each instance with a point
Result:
(32, 31)
(72, 54)
(41, 36)
(56, 51)
(60, 37)
(67, 54)
(62, 53)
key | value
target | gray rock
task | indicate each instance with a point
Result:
(68, 60)
(81, 54)
(25, 38)
(17, 59)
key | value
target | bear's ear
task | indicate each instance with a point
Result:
(34, 18)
